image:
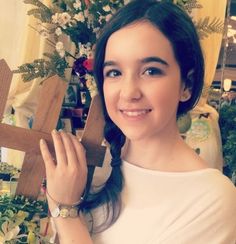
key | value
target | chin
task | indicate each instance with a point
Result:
(134, 135)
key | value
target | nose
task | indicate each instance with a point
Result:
(130, 90)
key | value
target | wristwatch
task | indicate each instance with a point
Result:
(65, 211)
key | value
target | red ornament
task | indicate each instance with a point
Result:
(88, 64)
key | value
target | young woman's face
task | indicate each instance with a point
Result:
(142, 82)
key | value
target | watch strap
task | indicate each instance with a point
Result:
(64, 211)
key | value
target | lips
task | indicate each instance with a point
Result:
(134, 112)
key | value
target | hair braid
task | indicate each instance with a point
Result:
(109, 193)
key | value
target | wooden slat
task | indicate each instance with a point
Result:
(49, 104)
(5, 82)
(46, 117)
(22, 139)
(31, 176)
(92, 136)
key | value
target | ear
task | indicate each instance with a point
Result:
(186, 90)
(185, 94)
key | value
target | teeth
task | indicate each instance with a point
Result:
(135, 113)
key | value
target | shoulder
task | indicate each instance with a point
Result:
(218, 185)
(213, 207)
(210, 191)
(225, 193)
(219, 196)
(221, 208)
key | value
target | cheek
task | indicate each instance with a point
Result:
(166, 98)
(110, 97)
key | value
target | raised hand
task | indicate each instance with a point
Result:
(67, 174)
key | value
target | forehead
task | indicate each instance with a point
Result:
(138, 40)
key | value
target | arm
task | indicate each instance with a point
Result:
(66, 179)
(72, 230)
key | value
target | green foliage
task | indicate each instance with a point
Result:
(56, 64)
(19, 220)
(189, 5)
(33, 70)
(205, 26)
(6, 169)
(41, 12)
(16, 203)
(40, 68)
(227, 124)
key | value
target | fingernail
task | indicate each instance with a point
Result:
(54, 131)
(42, 142)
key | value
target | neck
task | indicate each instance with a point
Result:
(161, 152)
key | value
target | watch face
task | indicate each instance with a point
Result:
(64, 212)
(55, 212)
(73, 212)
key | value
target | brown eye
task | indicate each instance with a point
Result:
(153, 71)
(112, 73)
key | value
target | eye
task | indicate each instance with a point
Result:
(153, 71)
(112, 73)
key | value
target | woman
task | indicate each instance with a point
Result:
(149, 69)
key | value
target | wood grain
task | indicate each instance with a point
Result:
(46, 117)
(22, 139)
(92, 136)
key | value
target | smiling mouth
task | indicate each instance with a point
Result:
(135, 113)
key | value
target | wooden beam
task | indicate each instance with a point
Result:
(22, 139)
(92, 136)
(45, 120)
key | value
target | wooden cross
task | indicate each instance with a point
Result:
(45, 120)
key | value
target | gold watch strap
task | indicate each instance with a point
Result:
(65, 211)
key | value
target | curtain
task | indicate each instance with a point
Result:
(205, 133)
(19, 44)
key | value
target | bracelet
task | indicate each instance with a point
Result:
(65, 210)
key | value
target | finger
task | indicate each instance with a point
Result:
(80, 151)
(59, 148)
(70, 149)
(47, 157)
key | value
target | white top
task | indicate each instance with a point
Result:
(197, 207)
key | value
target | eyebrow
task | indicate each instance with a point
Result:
(144, 61)
(109, 63)
(154, 59)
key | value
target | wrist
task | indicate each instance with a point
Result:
(58, 209)
(65, 211)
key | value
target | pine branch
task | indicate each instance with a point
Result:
(189, 5)
(43, 68)
(205, 26)
(33, 70)
(42, 12)
(36, 3)
(63, 4)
